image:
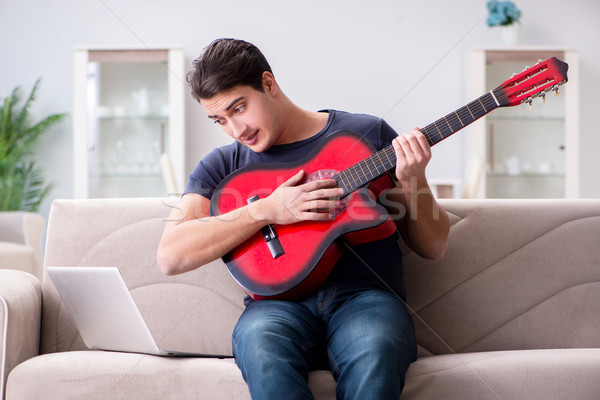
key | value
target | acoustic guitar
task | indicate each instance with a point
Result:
(290, 261)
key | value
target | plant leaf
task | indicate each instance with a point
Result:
(22, 184)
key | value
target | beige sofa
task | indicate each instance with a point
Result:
(21, 241)
(511, 312)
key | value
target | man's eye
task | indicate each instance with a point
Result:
(240, 108)
(219, 121)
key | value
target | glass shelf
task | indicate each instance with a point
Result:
(526, 152)
(106, 175)
(138, 185)
(136, 118)
(129, 128)
(524, 118)
(128, 122)
(525, 175)
(525, 146)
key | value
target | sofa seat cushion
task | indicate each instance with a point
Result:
(103, 375)
(111, 375)
(519, 374)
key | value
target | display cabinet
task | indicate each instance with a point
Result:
(128, 122)
(526, 152)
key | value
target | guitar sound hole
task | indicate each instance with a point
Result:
(328, 174)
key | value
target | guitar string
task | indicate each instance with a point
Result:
(355, 176)
(453, 121)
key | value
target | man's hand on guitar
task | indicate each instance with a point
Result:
(413, 154)
(294, 201)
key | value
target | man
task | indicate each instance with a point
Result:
(357, 320)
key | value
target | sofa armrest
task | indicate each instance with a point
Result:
(20, 317)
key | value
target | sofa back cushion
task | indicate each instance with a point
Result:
(193, 312)
(518, 274)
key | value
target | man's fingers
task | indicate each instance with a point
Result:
(321, 205)
(296, 179)
(313, 215)
(323, 194)
(319, 184)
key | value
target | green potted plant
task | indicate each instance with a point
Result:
(22, 185)
(506, 15)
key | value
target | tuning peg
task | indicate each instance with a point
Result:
(526, 68)
(556, 90)
(529, 102)
(543, 96)
(539, 61)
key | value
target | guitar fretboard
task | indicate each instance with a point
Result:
(384, 160)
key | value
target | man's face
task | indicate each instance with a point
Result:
(245, 114)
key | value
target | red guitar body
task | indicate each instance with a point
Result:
(311, 248)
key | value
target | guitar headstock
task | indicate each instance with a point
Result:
(532, 82)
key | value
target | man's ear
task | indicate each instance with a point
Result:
(269, 83)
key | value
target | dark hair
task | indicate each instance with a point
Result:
(226, 63)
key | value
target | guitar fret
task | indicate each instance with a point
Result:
(351, 171)
(449, 125)
(458, 116)
(348, 182)
(339, 178)
(363, 175)
(380, 160)
(361, 168)
(365, 166)
(469, 110)
(374, 167)
(350, 179)
(455, 122)
(340, 182)
(470, 114)
(366, 170)
(438, 129)
(390, 156)
(479, 99)
(360, 173)
(428, 136)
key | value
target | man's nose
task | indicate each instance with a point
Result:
(238, 129)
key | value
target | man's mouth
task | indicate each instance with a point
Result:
(251, 138)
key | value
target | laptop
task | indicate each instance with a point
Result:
(104, 311)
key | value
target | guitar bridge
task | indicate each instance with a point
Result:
(270, 236)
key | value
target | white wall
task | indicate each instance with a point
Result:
(403, 60)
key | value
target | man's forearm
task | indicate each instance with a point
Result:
(425, 224)
(192, 243)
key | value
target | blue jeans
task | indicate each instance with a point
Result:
(366, 333)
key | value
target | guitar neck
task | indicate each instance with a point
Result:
(384, 160)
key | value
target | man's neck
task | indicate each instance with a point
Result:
(301, 124)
